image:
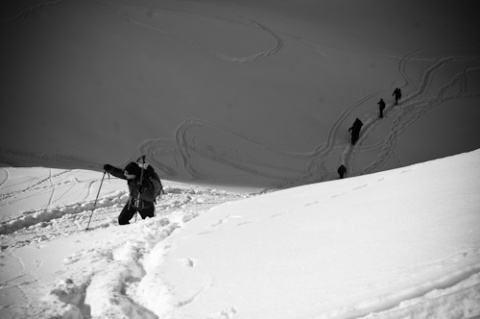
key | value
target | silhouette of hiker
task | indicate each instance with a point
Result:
(397, 93)
(341, 171)
(381, 105)
(356, 127)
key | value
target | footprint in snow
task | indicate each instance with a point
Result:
(224, 220)
(361, 186)
(188, 262)
(244, 223)
(226, 313)
(207, 232)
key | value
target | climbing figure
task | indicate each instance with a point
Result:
(381, 105)
(143, 187)
(397, 93)
(356, 127)
(342, 170)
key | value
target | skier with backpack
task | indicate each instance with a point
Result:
(355, 129)
(144, 186)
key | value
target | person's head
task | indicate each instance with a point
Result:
(132, 170)
(141, 163)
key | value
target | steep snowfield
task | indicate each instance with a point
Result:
(254, 93)
(239, 96)
(334, 250)
(403, 243)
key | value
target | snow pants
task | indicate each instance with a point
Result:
(145, 209)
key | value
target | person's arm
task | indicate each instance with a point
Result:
(112, 170)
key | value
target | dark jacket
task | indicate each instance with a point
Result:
(357, 125)
(397, 93)
(134, 187)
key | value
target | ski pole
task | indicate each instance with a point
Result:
(141, 183)
(96, 199)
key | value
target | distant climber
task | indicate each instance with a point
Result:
(355, 129)
(381, 106)
(397, 93)
(342, 170)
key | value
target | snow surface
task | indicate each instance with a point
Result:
(403, 243)
(234, 97)
(245, 93)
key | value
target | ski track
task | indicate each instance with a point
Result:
(33, 189)
(25, 13)
(59, 220)
(242, 21)
(413, 106)
(7, 178)
(52, 187)
(184, 150)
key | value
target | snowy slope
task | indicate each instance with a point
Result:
(403, 243)
(254, 93)
(334, 250)
(250, 95)
(44, 215)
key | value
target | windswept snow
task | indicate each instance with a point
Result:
(402, 243)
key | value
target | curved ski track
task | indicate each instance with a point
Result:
(25, 13)
(242, 21)
(420, 98)
(37, 188)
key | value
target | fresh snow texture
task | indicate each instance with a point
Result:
(403, 243)
(53, 267)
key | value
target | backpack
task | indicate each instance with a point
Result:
(155, 181)
(152, 186)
